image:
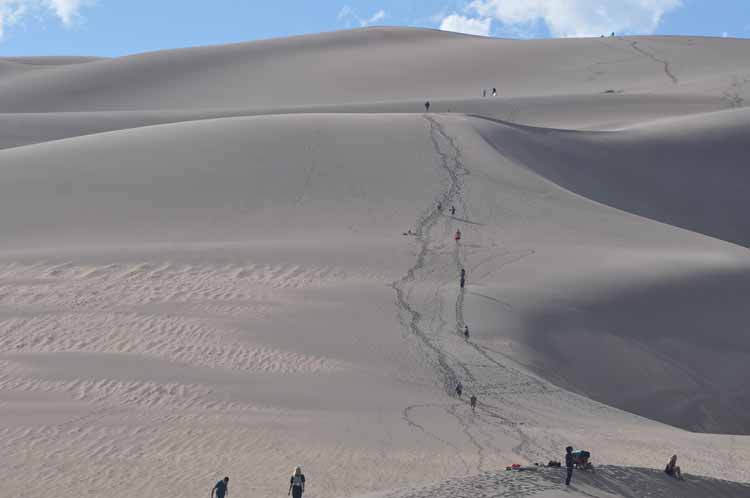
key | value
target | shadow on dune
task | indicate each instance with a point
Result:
(675, 350)
(689, 172)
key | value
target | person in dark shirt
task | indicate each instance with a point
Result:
(473, 401)
(466, 332)
(221, 489)
(569, 464)
(297, 483)
(672, 469)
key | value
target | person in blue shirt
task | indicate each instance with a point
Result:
(221, 489)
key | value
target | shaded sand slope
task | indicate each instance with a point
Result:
(594, 111)
(688, 172)
(194, 299)
(382, 64)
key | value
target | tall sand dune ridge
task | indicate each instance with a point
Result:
(233, 260)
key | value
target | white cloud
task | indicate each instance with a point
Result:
(348, 15)
(68, 10)
(578, 17)
(468, 25)
(13, 12)
(725, 35)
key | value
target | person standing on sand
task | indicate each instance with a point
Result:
(494, 92)
(466, 332)
(484, 92)
(457, 237)
(427, 106)
(569, 464)
(459, 389)
(297, 483)
(473, 402)
(453, 210)
(221, 488)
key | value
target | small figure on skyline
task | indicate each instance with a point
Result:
(427, 106)
(221, 488)
(494, 92)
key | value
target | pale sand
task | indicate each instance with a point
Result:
(220, 286)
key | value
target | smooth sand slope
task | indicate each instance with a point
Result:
(206, 292)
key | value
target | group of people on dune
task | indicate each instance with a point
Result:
(296, 486)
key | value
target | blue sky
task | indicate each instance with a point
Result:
(120, 27)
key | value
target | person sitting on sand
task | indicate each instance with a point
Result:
(672, 469)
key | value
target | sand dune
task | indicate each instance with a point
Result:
(203, 272)
(380, 64)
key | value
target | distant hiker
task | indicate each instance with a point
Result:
(466, 332)
(494, 92)
(613, 33)
(221, 489)
(672, 469)
(457, 237)
(484, 92)
(453, 210)
(569, 464)
(473, 403)
(459, 389)
(297, 483)
(427, 106)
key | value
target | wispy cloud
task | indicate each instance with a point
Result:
(13, 12)
(68, 10)
(349, 16)
(567, 17)
(462, 24)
